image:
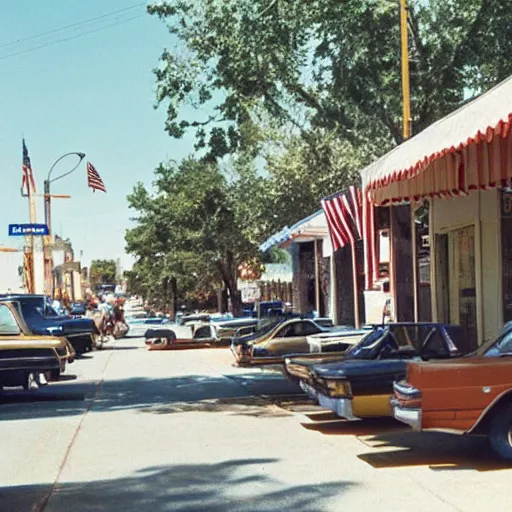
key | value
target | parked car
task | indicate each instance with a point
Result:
(361, 385)
(277, 338)
(221, 332)
(42, 319)
(139, 323)
(469, 395)
(266, 308)
(77, 310)
(23, 355)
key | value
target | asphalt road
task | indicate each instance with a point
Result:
(162, 431)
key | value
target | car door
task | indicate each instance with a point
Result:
(292, 338)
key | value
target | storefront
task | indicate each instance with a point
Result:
(453, 178)
(311, 252)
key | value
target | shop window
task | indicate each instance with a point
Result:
(383, 245)
(383, 253)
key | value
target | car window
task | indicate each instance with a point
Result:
(8, 324)
(435, 342)
(505, 344)
(287, 331)
(308, 328)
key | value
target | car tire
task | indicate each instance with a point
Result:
(54, 375)
(30, 383)
(500, 433)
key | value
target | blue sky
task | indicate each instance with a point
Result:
(93, 94)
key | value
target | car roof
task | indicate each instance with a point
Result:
(415, 324)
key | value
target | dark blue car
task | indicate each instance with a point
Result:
(41, 318)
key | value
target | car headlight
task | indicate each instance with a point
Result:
(339, 388)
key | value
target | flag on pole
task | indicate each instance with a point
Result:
(94, 180)
(344, 217)
(27, 183)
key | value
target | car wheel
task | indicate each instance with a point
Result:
(30, 383)
(500, 433)
(54, 375)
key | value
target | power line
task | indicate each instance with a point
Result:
(71, 37)
(59, 29)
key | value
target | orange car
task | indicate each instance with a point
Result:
(468, 395)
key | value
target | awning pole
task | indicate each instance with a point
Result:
(357, 319)
(405, 70)
(317, 277)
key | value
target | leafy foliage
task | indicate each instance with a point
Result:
(194, 226)
(102, 272)
(324, 64)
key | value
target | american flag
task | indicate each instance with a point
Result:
(94, 180)
(350, 217)
(344, 217)
(27, 182)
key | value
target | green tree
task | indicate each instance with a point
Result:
(102, 272)
(323, 64)
(192, 227)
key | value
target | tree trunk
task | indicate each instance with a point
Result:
(174, 295)
(229, 278)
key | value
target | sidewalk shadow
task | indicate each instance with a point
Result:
(437, 450)
(240, 485)
(158, 396)
(366, 427)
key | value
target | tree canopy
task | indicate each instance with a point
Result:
(323, 64)
(195, 225)
(102, 272)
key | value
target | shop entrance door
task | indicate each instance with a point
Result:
(463, 281)
(456, 280)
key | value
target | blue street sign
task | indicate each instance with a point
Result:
(28, 229)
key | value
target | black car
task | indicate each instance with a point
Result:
(41, 318)
(361, 384)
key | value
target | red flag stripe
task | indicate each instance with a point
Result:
(94, 180)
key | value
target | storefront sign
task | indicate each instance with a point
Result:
(250, 295)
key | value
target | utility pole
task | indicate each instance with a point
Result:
(404, 14)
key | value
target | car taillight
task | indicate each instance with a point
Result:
(406, 391)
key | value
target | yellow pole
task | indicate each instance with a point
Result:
(405, 70)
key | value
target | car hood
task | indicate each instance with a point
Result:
(359, 368)
(63, 326)
(31, 342)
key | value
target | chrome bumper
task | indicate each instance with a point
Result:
(411, 417)
(309, 390)
(342, 407)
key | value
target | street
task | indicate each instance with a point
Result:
(184, 430)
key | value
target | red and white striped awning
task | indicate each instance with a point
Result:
(467, 150)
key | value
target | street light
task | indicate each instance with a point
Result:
(48, 263)
(48, 181)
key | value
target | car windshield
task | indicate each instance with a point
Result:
(36, 306)
(502, 345)
(366, 347)
(265, 326)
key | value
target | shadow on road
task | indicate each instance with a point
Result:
(250, 394)
(437, 450)
(230, 485)
(367, 427)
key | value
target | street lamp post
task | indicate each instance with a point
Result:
(48, 260)
(48, 181)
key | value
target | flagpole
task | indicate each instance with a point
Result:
(30, 269)
(407, 121)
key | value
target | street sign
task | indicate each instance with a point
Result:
(28, 229)
(250, 295)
